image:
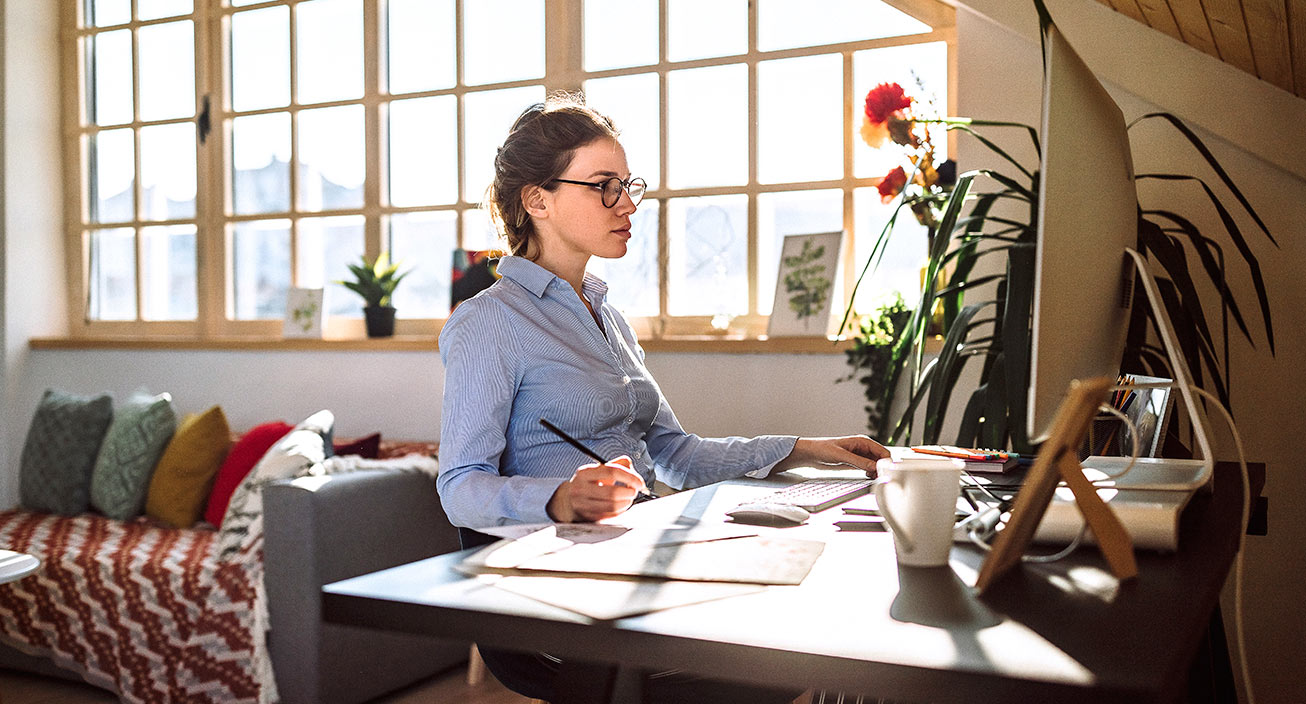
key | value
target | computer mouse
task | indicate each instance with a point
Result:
(769, 514)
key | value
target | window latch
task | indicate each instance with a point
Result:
(202, 124)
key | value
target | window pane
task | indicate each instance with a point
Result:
(331, 168)
(329, 43)
(801, 96)
(168, 172)
(785, 24)
(922, 71)
(479, 232)
(503, 40)
(260, 163)
(423, 244)
(634, 277)
(154, 9)
(791, 213)
(260, 269)
(707, 141)
(699, 29)
(167, 77)
(104, 13)
(488, 115)
(900, 268)
(424, 151)
(708, 262)
(168, 265)
(260, 58)
(113, 176)
(620, 34)
(113, 274)
(632, 103)
(110, 87)
(326, 246)
(421, 45)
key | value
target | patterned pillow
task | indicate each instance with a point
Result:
(187, 467)
(59, 455)
(142, 426)
(293, 455)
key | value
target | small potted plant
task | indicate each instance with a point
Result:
(375, 281)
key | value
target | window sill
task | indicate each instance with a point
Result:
(705, 344)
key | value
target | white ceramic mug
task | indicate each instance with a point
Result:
(918, 499)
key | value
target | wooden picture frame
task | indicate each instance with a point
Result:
(1058, 460)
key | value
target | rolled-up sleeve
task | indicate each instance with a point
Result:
(481, 354)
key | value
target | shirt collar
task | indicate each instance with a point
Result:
(536, 279)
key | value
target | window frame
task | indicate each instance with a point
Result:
(563, 71)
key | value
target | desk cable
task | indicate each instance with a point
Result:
(1242, 541)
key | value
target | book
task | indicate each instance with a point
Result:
(982, 461)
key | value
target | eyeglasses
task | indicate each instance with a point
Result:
(612, 188)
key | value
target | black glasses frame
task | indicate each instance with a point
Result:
(634, 188)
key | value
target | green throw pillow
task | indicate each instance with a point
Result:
(142, 426)
(59, 455)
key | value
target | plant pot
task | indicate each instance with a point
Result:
(380, 320)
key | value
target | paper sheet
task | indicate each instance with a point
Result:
(716, 554)
(616, 597)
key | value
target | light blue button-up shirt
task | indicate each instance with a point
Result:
(526, 348)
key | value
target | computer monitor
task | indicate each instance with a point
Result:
(1085, 265)
(1087, 217)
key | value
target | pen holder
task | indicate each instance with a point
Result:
(1107, 434)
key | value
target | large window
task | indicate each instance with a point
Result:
(231, 150)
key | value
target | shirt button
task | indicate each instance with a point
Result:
(625, 379)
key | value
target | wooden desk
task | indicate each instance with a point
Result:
(1065, 631)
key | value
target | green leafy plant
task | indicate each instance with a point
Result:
(873, 361)
(995, 332)
(375, 280)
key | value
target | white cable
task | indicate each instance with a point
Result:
(1242, 540)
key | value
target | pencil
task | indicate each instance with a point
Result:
(581, 446)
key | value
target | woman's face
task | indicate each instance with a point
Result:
(578, 222)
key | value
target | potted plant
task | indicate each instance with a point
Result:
(375, 281)
(996, 331)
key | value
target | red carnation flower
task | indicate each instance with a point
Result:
(892, 183)
(884, 100)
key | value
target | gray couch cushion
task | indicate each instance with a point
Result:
(142, 426)
(59, 455)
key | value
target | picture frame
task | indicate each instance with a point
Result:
(303, 314)
(806, 285)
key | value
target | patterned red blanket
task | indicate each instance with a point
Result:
(146, 611)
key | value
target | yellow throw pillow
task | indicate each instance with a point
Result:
(182, 479)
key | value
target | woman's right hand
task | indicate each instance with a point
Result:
(596, 491)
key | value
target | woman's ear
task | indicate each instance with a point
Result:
(535, 200)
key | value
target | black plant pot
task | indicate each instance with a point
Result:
(380, 320)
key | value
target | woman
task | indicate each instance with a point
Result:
(544, 343)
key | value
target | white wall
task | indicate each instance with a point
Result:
(1000, 69)
(399, 392)
(34, 299)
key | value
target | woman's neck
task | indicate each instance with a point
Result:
(569, 269)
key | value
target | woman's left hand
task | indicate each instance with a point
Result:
(856, 451)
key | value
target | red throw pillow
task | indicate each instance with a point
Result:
(367, 447)
(246, 453)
